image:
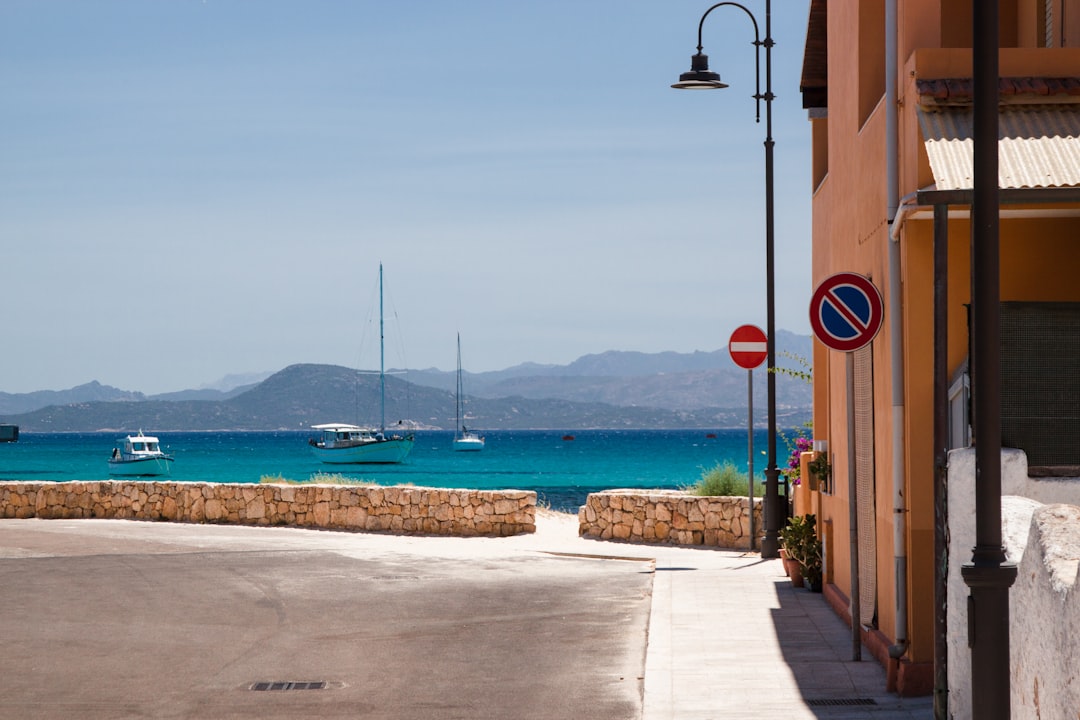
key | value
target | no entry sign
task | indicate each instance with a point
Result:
(846, 311)
(748, 346)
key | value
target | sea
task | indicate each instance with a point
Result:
(562, 468)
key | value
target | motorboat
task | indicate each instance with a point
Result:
(465, 440)
(139, 455)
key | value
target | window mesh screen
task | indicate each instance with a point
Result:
(1040, 381)
(865, 480)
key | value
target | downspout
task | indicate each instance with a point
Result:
(896, 335)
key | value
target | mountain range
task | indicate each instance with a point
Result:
(615, 389)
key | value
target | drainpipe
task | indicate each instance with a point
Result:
(896, 336)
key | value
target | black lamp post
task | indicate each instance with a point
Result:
(701, 78)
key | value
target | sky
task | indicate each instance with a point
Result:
(196, 188)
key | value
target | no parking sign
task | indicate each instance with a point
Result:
(846, 311)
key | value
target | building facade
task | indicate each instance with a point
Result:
(888, 90)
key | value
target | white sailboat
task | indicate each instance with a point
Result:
(465, 440)
(341, 443)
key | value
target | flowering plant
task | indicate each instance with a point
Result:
(793, 471)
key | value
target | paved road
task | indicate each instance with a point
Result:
(120, 619)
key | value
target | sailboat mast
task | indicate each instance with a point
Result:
(457, 404)
(382, 360)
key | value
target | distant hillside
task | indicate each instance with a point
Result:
(90, 392)
(303, 395)
(673, 381)
(202, 394)
(609, 390)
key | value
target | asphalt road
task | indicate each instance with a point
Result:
(121, 619)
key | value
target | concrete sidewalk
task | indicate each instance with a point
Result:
(727, 635)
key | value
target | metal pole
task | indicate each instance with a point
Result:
(853, 512)
(770, 544)
(774, 513)
(988, 575)
(382, 359)
(941, 423)
(750, 447)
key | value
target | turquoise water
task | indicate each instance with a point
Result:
(561, 471)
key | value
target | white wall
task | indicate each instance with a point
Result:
(1041, 533)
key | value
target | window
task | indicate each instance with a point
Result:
(871, 56)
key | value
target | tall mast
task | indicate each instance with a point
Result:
(457, 405)
(382, 360)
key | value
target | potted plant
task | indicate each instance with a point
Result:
(800, 541)
(820, 472)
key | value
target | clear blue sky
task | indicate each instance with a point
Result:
(193, 188)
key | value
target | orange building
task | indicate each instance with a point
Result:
(887, 86)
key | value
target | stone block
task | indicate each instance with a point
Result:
(256, 508)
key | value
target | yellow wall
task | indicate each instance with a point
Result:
(851, 234)
(1040, 261)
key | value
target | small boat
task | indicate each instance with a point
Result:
(567, 437)
(139, 455)
(466, 440)
(351, 444)
(344, 444)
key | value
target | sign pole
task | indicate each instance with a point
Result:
(855, 604)
(846, 312)
(750, 447)
(749, 347)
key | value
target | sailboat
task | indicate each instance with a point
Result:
(464, 439)
(341, 443)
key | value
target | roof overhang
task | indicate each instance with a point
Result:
(1038, 152)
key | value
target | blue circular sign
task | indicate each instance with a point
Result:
(846, 311)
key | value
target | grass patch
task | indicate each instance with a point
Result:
(724, 479)
(315, 479)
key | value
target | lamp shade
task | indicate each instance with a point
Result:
(699, 77)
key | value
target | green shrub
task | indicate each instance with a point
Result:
(315, 479)
(724, 479)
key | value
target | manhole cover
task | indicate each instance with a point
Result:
(840, 701)
(288, 686)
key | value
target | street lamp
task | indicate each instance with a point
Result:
(701, 78)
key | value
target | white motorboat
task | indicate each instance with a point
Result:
(465, 440)
(139, 455)
(341, 443)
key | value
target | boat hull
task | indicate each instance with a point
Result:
(393, 450)
(161, 465)
(468, 444)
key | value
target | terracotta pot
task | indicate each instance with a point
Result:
(794, 571)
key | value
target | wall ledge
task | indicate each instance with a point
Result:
(396, 509)
(671, 517)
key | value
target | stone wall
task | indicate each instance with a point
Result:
(403, 510)
(670, 517)
(1040, 533)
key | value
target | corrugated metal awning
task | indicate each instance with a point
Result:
(1038, 147)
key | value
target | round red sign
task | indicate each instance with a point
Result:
(749, 346)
